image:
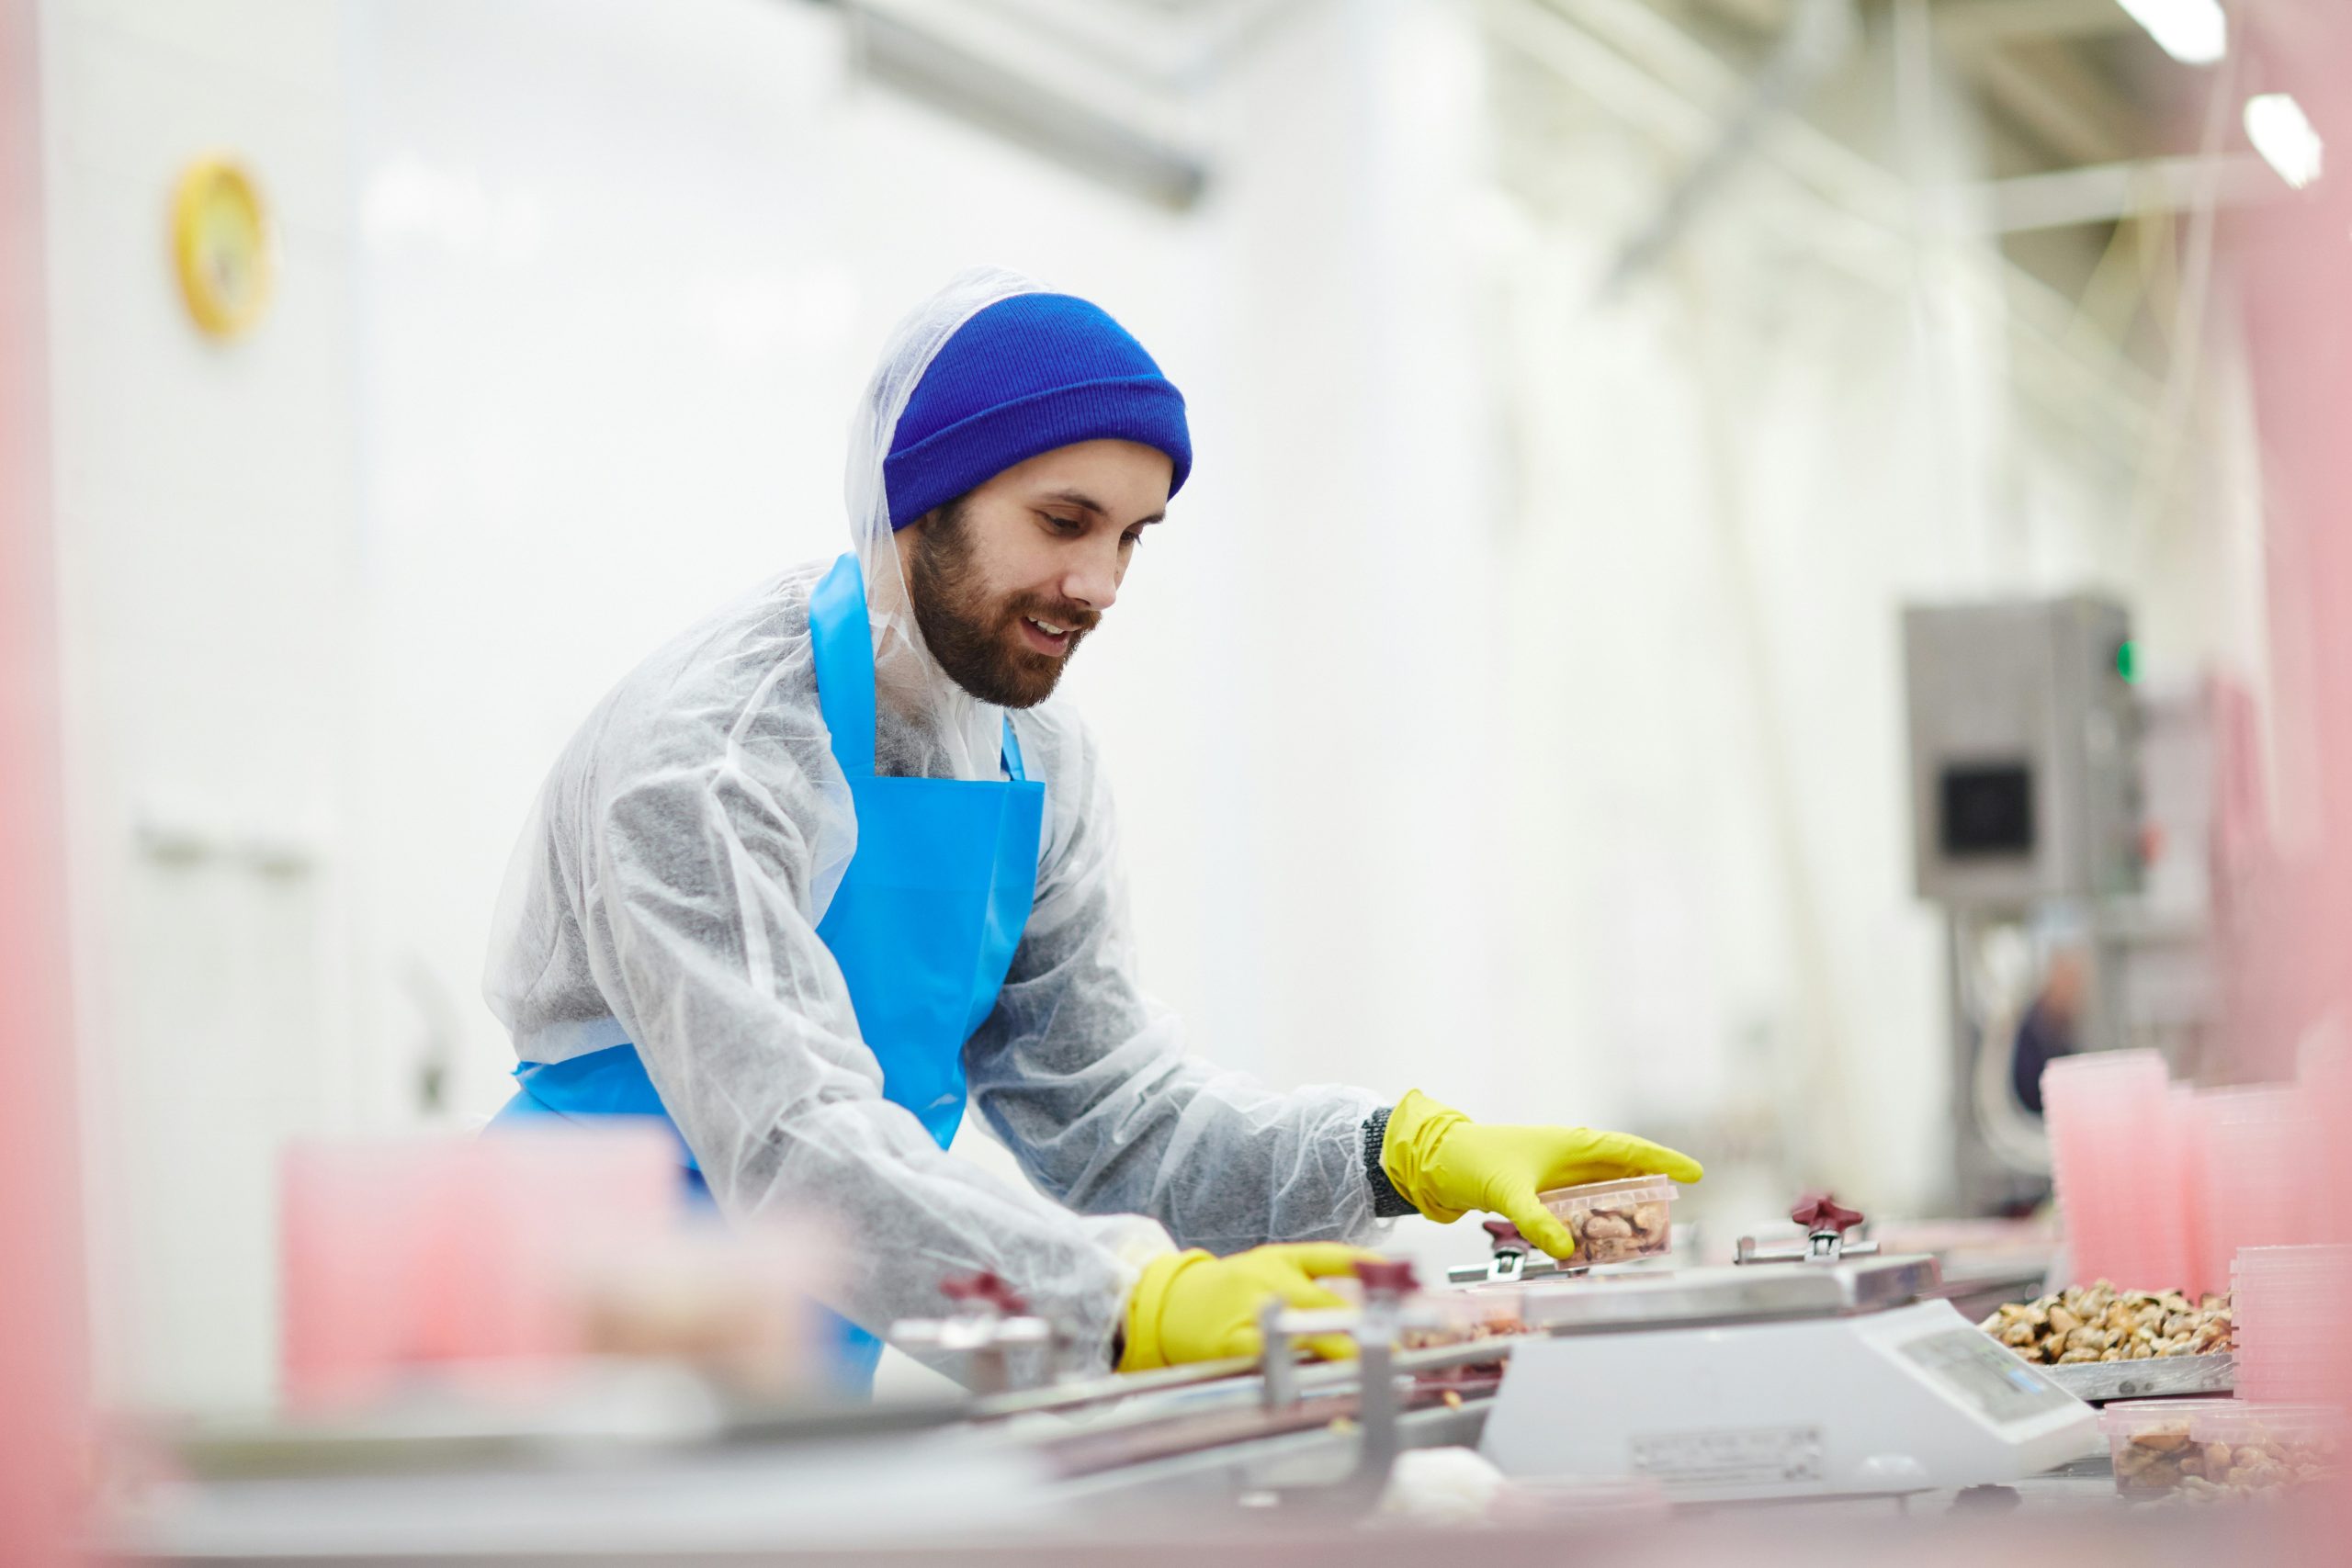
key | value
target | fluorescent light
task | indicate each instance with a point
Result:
(2284, 137)
(2192, 31)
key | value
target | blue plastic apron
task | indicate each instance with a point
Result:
(924, 925)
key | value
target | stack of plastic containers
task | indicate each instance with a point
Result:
(2161, 1185)
(2115, 1137)
(2288, 1308)
(2260, 1146)
(2207, 1248)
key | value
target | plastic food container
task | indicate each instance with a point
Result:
(2288, 1306)
(1616, 1222)
(2221, 1448)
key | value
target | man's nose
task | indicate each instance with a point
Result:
(1093, 578)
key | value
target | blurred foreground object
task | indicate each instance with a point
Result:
(2215, 1449)
(495, 1262)
(41, 1331)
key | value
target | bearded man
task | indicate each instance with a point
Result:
(833, 865)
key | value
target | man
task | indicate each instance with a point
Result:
(831, 864)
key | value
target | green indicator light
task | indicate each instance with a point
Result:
(2127, 659)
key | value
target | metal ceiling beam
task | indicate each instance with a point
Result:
(2060, 103)
(1819, 35)
(1985, 24)
(2108, 192)
(1973, 24)
(936, 53)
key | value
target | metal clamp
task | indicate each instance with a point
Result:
(1826, 1223)
(1512, 1250)
(1514, 1261)
(993, 1323)
(1375, 1326)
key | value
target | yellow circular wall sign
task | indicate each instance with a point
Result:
(221, 244)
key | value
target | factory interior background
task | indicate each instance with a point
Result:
(1512, 706)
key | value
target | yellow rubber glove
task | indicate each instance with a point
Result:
(1447, 1165)
(1191, 1306)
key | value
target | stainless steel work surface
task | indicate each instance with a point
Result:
(1740, 1293)
(2159, 1377)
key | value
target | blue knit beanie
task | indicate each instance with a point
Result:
(1023, 377)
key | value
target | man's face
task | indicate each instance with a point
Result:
(1008, 581)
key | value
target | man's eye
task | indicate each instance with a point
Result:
(1132, 536)
(1069, 528)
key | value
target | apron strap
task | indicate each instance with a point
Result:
(1012, 753)
(842, 643)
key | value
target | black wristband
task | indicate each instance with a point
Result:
(1387, 1203)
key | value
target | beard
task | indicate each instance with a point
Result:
(977, 638)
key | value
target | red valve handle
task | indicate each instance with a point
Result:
(1822, 1211)
(1506, 1236)
(985, 1289)
(1390, 1275)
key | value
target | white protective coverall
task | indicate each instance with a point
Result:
(667, 893)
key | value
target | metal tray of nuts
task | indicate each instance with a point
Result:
(2160, 1377)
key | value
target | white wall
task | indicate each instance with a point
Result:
(206, 499)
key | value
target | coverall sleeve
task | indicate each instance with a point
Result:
(700, 936)
(1086, 1080)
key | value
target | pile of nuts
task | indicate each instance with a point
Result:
(2099, 1322)
(1613, 1236)
(2167, 1459)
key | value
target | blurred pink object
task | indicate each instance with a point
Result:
(2112, 1123)
(2288, 1316)
(739, 1304)
(397, 1253)
(2260, 1148)
(2208, 1246)
(44, 1425)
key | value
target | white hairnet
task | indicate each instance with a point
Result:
(667, 891)
(968, 730)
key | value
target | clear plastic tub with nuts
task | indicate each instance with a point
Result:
(2213, 1449)
(1616, 1222)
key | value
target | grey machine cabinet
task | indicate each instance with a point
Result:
(2026, 802)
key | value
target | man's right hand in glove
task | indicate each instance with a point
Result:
(1192, 1306)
